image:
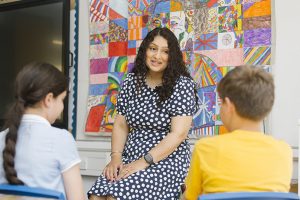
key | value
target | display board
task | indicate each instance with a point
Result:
(214, 36)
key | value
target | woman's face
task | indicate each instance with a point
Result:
(157, 55)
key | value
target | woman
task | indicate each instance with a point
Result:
(150, 153)
(35, 153)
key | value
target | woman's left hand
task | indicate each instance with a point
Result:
(131, 168)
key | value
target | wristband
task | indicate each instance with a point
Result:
(148, 158)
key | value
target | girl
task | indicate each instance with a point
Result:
(35, 153)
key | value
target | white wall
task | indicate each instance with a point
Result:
(286, 70)
(286, 111)
(94, 151)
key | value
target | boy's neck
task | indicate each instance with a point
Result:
(245, 124)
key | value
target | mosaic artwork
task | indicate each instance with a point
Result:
(214, 36)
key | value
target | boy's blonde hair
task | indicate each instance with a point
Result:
(250, 89)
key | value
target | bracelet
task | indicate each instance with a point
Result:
(113, 152)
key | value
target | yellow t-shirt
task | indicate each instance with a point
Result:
(239, 161)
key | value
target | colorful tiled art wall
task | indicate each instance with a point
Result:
(214, 35)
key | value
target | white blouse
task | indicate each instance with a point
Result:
(43, 153)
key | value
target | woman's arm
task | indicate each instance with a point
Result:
(119, 134)
(180, 126)
(119, 137)
(73, 184)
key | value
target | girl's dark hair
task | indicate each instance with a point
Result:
(175, 68)
(32, 84)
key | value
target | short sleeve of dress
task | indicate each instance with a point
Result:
(183, 100)
(67, 153)
(123, 96)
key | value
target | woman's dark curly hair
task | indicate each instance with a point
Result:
(175, 68)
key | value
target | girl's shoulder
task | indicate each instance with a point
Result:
(2, 136)
(60, 132)
(3, 132)
(50, 132)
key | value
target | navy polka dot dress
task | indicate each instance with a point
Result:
(148, 126)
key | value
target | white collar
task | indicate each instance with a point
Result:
(35, 118)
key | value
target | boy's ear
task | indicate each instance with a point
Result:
(230, 104)
(227, 100)
(48, 99)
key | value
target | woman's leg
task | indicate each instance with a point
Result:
(94, 197)
(110, 198)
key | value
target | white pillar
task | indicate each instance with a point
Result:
(298, 157)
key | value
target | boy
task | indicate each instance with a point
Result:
(244, 159)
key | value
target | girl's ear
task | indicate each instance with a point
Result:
(48, 99)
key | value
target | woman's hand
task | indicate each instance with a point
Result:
(131, 168)
(112, 168)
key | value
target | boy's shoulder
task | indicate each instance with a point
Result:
(236, 136)
(207, 141)
(278, 142)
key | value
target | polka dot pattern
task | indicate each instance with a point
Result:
(149, 124)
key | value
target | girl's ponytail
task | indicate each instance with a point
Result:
(13, 122)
